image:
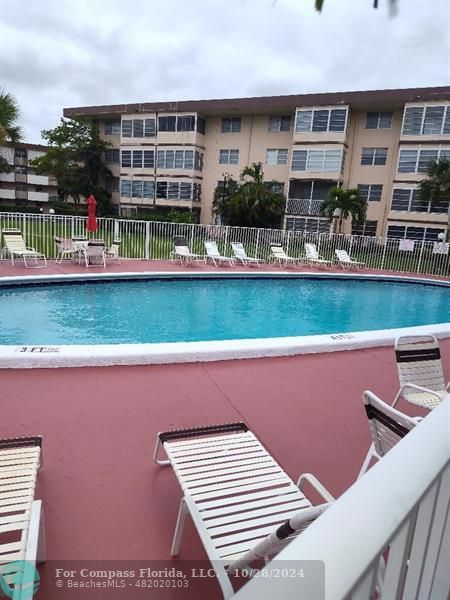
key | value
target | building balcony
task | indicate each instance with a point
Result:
(9, 177)
(38, 196)
(38, 179)
(7, 194)
(298, 206)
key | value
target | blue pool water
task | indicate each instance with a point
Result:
(215, 309)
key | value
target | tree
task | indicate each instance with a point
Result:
(10, 132)
(435, 188)
(346, 203)
(75, 158)
(251, 202)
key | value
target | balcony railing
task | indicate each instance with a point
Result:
(401, 504)
(297, 206)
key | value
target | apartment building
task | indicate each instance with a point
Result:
(21, 187)
(176, 154)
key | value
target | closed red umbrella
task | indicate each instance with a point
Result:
(91, 224)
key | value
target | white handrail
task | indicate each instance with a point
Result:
(402, 501)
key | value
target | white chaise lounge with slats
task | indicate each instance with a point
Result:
(242, 256)
(279, 256)
(15, 246)
(387, 427)
(212, 252)
(244, 506)
(313, 258)
(346, 261)
(21, 516)
(420, 371)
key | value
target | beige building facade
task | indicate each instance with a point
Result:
(22, 188)
(174, 155)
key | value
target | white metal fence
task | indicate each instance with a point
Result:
(154, 240)
(398, 510)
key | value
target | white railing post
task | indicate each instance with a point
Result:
(147, 240)
(257, 242)
(384, 253)
(391, 506)
(419, 262)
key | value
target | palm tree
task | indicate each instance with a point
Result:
(10, 132)
(435, 188)
(252, 202)
(343, 204)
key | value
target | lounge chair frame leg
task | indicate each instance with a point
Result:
(179, 528)
(158, 447)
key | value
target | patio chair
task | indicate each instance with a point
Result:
(244, 506)
(15, 246)
(94, 253)
(280, 256)
(420, 371)
(387, 427)
(65, 249)
(346, 262)
(113, 251)
(313, 258)
(212, 252)
(182, 252)
(241, 255)
(21, 516)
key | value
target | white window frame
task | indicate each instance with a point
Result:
(438, 149)
(446, 114)
(278, 119)
(310, 152)
(314, 109)
(274, 158)
(232, 120)
(379, 113)
(374, 153)
(226, 152)
(185, 164)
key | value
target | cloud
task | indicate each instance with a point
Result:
(77, 53)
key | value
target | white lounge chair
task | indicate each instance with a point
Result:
(313, 257)
(15, 246)
(243, 504)
(241, 255)
(21, 516)
(387, 427)
(420, 371)
(182, 253)
(212, 252)
(346, 262)
(113, 251)
(280, 256)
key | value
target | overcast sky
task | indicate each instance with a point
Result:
(63, 53)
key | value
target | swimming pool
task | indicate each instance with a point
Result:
(199, 309)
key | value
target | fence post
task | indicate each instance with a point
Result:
(147, 240)
(191, 242)
(116, 234)
(227, 230)
(351, 245)
(419, 262)
(288, 241)
(257, 242)
(384, 253)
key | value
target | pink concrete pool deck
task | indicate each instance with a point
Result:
(104, 498)
(129, 265)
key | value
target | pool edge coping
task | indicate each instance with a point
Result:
(46, 356)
